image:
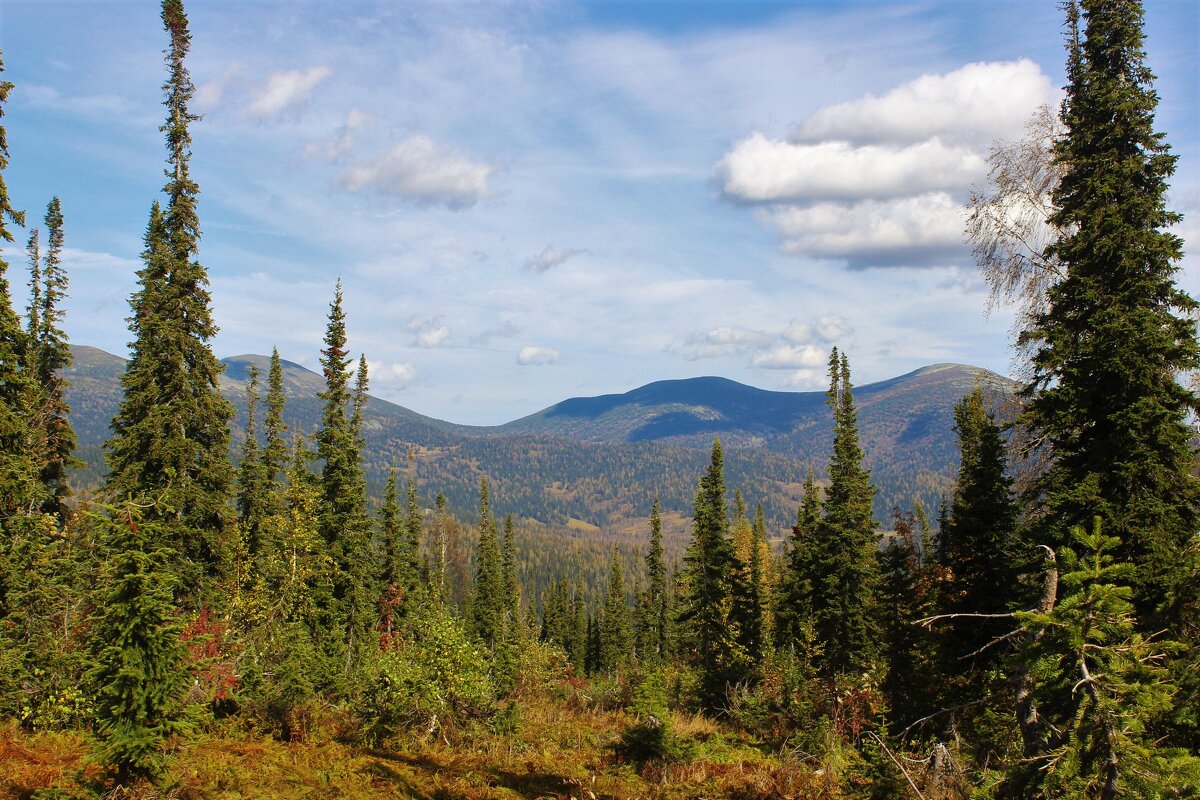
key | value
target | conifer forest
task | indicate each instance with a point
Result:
(232, 608)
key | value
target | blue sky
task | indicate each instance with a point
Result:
(531, 201)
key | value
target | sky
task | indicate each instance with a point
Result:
(529, 201)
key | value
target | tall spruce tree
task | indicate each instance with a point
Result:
(746, 606)
(709, 563)
(848, 573)
(170, 436)
(656, 590)
(47, 355)
(487, 600)
(616, 632)
(20, 488)
(343, 518)
(1117, 330)
(977, 547)
(801, 568)
(275, 453)
(251, 484)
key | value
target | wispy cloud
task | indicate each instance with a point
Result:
(550, 257)
(422, 170)
(286, 91)
(538, 355)
(429, 332)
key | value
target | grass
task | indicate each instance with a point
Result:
(563, 746)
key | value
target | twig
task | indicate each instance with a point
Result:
(899, 766)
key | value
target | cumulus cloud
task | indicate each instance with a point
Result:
(420, 169)
(913, 230)
(973, 104)
(762, 170)
(536, 355)
(428, 332)
(391, 375)
(549, 258)
(790, 357)
(339, 144)
(286, 91)
(880, 181)
(827, 329)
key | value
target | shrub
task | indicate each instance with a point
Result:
(650, 736)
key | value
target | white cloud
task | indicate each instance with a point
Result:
(827, 329)
(422, 170)
(339, 144)
(286, 91)
(428, 332)
(549, 258)
(975, 103)
(804, 379)
(720, 342)
(759, 169)
(790, 357)
(391, 375)
(535, 355)
(209, 95)
(927, 227)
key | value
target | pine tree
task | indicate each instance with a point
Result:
(170, 436)
(844, 585)
(47, 355)
(616, 632)
(487, 601)
(138, 675)
(1117, 330)
(705, 613)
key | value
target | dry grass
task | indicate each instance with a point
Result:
(561, 748)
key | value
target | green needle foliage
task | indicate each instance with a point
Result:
(1118, 330)
(138, 675)
(171, 434)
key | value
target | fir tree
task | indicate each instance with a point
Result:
(138, 675)
(413, 529)
(616, 632)
(47, 355)
(170, 437)
(746, 602)
(977, 545)
(275, 453)
(843, 587)
(251, 488)
(488, 601)
(395, 572)
(1098, 685)
(1117, 329)
(656, 590)
(343, 521)
(710, 560)
(510, 583)
(802, 568)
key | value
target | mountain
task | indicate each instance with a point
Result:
(589, 467)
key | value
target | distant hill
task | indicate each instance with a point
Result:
(589, 467)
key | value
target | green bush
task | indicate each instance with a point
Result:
(433, 679)
(650, 736)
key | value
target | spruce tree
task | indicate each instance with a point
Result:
(343, 519)
(801, 568)
(413, 534)
(251, 485)
(138, 675)
(656, 591)
(746, 601)
(20, 488)
(978, 547)
(47, 355)
(705, 613)
(616, 632)
(510, 583)
(275, 453)
(1117, 330)
(848, 573)
(394, 572)
(170, 437)
(487, 600)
